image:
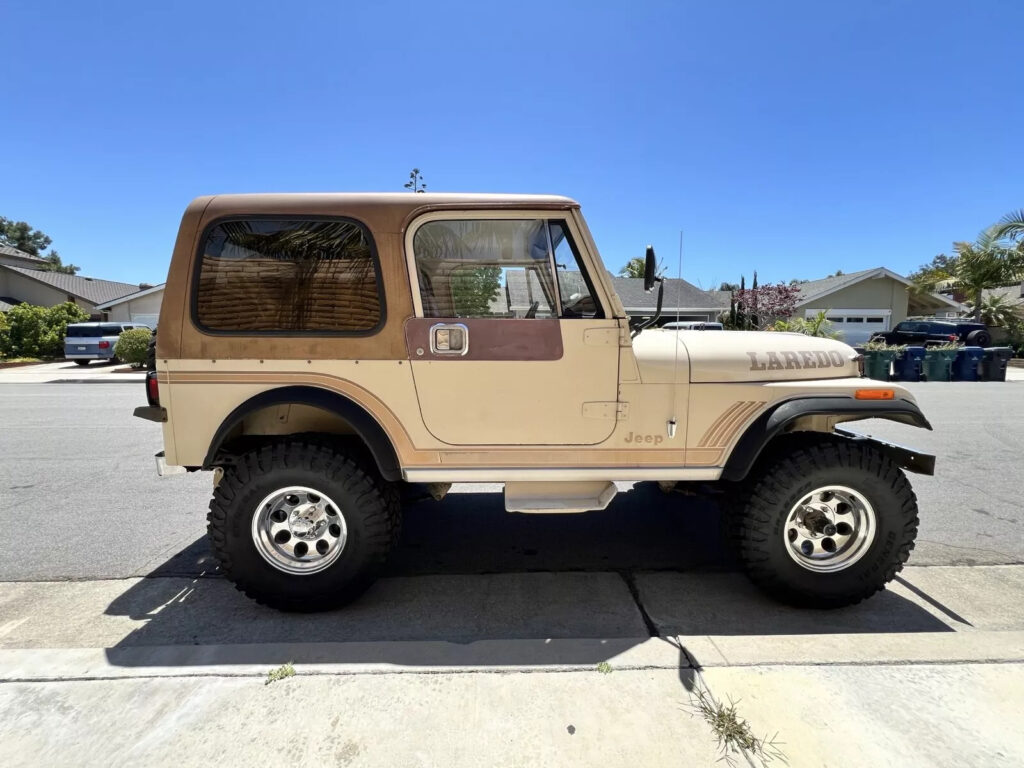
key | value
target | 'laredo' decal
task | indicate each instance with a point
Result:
(777, 361)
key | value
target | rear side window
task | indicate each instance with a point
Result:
(288, 276)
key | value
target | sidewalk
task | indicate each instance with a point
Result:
(525, 669)
(68, 371)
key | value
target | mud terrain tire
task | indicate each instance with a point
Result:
(368, 505)
(762, 521)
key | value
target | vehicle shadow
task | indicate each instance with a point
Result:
(470, 585)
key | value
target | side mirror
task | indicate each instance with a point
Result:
(650, 268)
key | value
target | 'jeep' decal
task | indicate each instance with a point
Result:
(779, 361)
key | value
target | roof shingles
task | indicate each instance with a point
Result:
(7, 250)
(90, 289)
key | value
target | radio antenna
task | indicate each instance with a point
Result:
(675, 362)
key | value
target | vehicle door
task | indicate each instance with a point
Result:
(912, 333)
(510, 344)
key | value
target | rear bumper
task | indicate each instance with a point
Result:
(87, 356)
(151, 413)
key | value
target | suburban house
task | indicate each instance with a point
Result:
(682, 300)
(22, 279)
(862, 303)
(143, 306)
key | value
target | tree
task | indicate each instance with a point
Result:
(729, 287)
(53, 263)
(996, 310)
(1011, 227)
(758, 308)
(474, 289)
(940, 268)
(633, 268)
(985, 263)
(20, 235)
(416, 182)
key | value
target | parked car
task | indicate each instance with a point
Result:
(693, 325)
(84, 342)
(924, 333)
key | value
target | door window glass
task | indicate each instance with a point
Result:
(573, 282)
(485, 268)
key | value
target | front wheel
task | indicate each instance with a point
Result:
(299, 527)
(827, 524)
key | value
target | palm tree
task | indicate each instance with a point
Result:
(985, 263)
(633, 268)
(1011, 226)
(996, 310)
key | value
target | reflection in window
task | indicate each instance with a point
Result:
(265, 275)
(577, 296)
(485, 268)
(500, 268)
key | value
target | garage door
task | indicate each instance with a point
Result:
(149, 320)
(856, 326)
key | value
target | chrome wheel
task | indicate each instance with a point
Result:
(299, 530)
(830, 529)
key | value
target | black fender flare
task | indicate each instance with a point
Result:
(363, 423)
(773, 422)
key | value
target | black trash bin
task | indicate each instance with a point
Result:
(965, 367)
(993, 364)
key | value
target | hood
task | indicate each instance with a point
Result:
(737, 356)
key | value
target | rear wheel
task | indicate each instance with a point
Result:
(82, 362)
(299, 527)
(826, 525)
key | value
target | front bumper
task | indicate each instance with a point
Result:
(906, 458)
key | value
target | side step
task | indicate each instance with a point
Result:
(558, 497)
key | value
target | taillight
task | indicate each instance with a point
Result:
(104, 344)
(152, 389)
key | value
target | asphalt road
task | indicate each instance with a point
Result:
(80, 499)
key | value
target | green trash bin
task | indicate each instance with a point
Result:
(877, 362)
(938, 364)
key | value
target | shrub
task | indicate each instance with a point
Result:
(819, 325)
(38, 331)
(5, 335)
(55, 324)
(132, 345)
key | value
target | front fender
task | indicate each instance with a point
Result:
(774, 421)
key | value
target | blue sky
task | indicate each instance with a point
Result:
(795, 138)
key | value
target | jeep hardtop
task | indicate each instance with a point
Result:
(326, 355)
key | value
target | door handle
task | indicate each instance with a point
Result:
(449, 339)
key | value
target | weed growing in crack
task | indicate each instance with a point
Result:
(285, 670)
(734, 734)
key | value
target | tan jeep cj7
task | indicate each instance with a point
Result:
(323, 354)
